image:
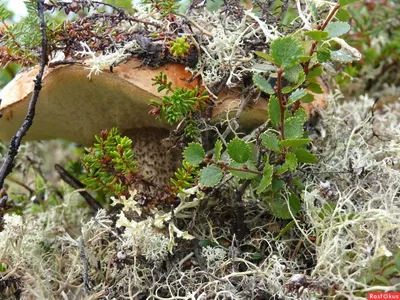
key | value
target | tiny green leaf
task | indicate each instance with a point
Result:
(343, 15)
(294, 142)
(217, 150)
(291, 161)
(315, 88)
(342, 55)
(266, 179)
(263, 84)
(274, 110)
(305, 156)
(323, 55)
(239, 150)
(210, 176)
(194, 154)
(317, 35)
(296, 95)
(292, 74)
(314, 72)
(264, 55)
(308, 98)
(294, 128)
(336, 29)
(346, 2)
(270, 141)
(286, 51)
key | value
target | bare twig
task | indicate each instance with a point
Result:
(76, 184)
(15, 143)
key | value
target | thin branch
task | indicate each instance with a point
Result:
(76, 184)
(281, 104)
(15, 143)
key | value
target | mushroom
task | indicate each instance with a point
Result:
(73, 107)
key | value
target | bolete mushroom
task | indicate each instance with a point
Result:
(73, 107)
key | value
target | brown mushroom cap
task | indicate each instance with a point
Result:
(71, 106)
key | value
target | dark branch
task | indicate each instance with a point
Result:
(76, 184)
(15, 143)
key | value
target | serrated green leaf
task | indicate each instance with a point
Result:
(264, 55)
(343, 15)
(336, 29)
(293, 128)
(277, 184)
(315, 88)
(294, 142)
(194, 154)
(308, 98)
(301, 114)
(346, 2)
(266, 179)
(304, 156)
(314, 73)
(323, 55)
(291, 161)
(263, 84)
(342, 55)
(290, 88)
(296, 95)
(286, 51)
(317, 35)
(243, 174)
(292, 74)
(274, 110)
(239, 150)
(210, 176)
(217, 150)
(281, 169)
(270, 141)
(287, 89)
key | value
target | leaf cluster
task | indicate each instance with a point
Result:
(177, 103)
(110, 164)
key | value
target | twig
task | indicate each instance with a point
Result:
(15, 143)
(76, 184)
(241, 229)
(281, 104)
(322, 27)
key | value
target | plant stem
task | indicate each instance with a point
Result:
(15, 143)
(322, 27)
(281, 103)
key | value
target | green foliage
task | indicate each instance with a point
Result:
(110, 164)
(210, 176)
(194, 154)
(238, 150)
(286, 52)
(164, 7)
(185, 177)
(177, 103)
(179, 47)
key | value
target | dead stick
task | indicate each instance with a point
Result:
(76, 184)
